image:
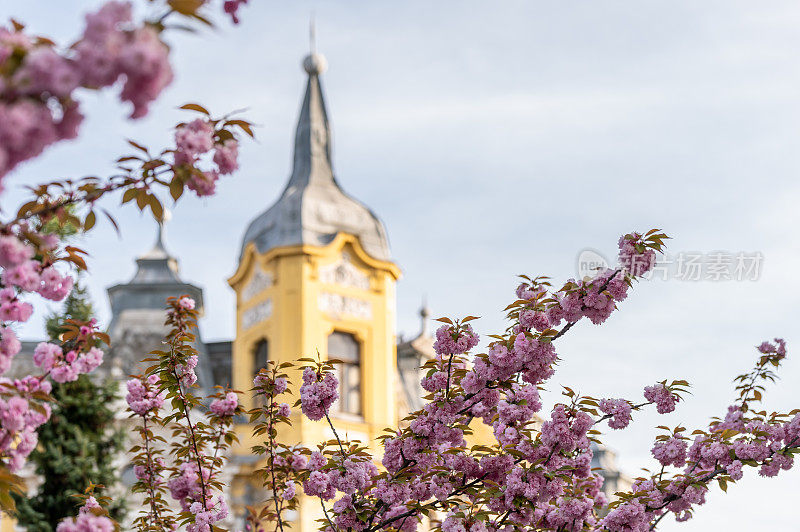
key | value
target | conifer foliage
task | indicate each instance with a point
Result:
(78, 444)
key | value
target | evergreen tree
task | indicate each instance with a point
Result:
(78, 444)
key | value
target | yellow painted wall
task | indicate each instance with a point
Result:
(298, 327)
(7, 523)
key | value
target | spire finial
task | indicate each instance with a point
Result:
(160, 235)
(165, 217)
(159, 250)
(312, 34)
(424, 314)
(314, 63)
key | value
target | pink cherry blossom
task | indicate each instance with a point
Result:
(634, 257)
(54, 285)
(11, 308)
(226, 406)
(203, 183)
(43, 70)
(290, 491)
(145, 63)
(144, 395)
(193, 139)
(317, 393)
(9, 347)
(186, 371)
(25, 276)
(619, 410)
(670, 452)
(226, 155)
(13, 252)
(87, 521)
(186, 303)
(660, 395)
(205, 517)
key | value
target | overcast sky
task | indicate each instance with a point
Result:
(499, 138)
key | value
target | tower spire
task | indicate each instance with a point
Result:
(313, 208)
(159, 245)
(313, 140)
(157, 265)
(159, 250)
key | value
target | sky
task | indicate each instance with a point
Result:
(502, 138)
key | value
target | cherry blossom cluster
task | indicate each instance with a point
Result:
(662, 396)
(450, 342)
(111, 48)
(318, 392)
(205, 432)
(635, 255)
(22, 412)
(38, 106)
(196, 139)
(35, 262)
(39, 80)
(539, 475)
(91, 517)
(186, 487)
(40, 86)
(283, 465)
(206, 515)
(144, 395)
(9, 347)
(28, 258)
(225, 406)
(12, 308)
(22, 272)
(594, 298)
(744, 437)
(82, 357)
(619, 411)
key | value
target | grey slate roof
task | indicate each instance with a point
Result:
(313, 208)
(156, 278)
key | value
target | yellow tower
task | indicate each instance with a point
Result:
(315, 275)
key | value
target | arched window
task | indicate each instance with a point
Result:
(260, 355)
(345, 347)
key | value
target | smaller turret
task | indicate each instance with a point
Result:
(411, 355)
(138, 311)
